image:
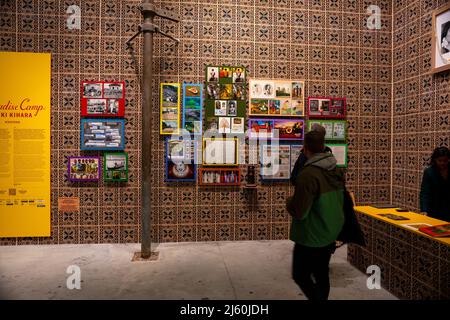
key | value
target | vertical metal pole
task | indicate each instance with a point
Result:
(146, 238)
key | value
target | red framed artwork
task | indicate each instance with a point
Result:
(102, 99)
(326, 107)
(219, 177)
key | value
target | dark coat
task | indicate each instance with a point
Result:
(435, 194)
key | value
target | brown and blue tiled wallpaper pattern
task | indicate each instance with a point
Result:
(324, 42)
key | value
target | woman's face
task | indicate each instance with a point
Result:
(442, 162)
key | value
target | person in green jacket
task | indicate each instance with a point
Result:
(435, 187)
(317, 217)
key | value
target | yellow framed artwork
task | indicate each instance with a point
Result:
(220, 151)
(170, 95)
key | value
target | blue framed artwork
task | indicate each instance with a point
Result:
(181, 159)
(193, 107)
(102, 134)
(277, 161)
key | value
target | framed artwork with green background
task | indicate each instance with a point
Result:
(335, 130)
(225, 94)
(115, 167)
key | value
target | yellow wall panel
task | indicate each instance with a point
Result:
(25, 144)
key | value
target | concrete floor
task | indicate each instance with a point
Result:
(222, 270)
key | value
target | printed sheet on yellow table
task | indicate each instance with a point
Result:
(25, 92)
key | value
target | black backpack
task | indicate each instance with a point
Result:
(351, 231)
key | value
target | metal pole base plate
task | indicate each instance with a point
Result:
(138, 257)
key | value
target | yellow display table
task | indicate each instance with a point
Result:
(412, 216)
(413, 264)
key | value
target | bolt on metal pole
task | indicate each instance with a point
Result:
(146, 238)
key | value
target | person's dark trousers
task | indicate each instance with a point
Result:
(311, 262)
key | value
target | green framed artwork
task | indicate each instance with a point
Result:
(340, 151)
(225, 95)
(115, 166)
(334, 129)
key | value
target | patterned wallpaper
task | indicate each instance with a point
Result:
(324, 42)
(421, 101)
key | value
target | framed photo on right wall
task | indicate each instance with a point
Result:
(440, 58)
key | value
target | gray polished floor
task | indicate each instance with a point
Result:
(222, 270)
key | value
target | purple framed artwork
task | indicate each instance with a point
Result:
(83, 169)
(277, 129)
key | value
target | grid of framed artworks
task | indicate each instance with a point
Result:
(102, 99)
(323, 107)
(105, 101)
(170, 94)
(277, 161)
(276, 98)
(334, 129)
(288, 129)
(102, 134)
(89, 169)
(181, 159)
(193, 107)
(225, 104)
(219, 177)
(220, 151)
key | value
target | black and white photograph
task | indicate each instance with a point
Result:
(96, 106)
(232, 108)
(113, 90)
(113, 106)
(262, 89)
(441, 39)
(212, 74)
(92, 90)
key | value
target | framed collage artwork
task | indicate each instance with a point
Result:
(83, 169)
(322, 107)
(219, 177)
(334, 129)
(339, 151)
(170, 95)
(102, 99)
(276, 98)
(277, 161)
(102, 134)
(278, 129)
(193, 107)
(225, 106)
(115, 167)
(220, 151)
(181, 160)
